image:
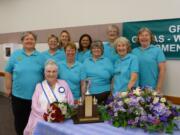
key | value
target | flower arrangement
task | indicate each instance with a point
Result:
(141, 108)
(58, 112)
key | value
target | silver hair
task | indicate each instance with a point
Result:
(50, 62)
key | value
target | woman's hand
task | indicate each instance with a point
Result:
(8, 84)
(8, 92)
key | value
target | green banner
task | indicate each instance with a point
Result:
(166, 32)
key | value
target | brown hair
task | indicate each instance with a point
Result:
(98, 44)
(69, 37)
(71, 45)
(53, 36)
(147, 30)
(90, 41)
(28, 33)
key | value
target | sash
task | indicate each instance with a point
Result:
(56, 95)
(48, 92)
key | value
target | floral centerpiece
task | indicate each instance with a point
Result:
(140, 108)
(58, 112)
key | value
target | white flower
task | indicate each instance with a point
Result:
(111, 104)
(154, 93)
(137, 91)
(123, 94)
(115, 114)
(162, 104)
(163, 100)
(156, 100)
(63, 108)
(127, 100)
(138, 98)
(120, 103)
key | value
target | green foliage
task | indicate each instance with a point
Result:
(103, 113)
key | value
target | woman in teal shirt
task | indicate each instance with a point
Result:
(109, 51)
(53, 52)
(151, 61)
(23, 71)
(85, 42)
(72, 72)
(99, 72)
(64, 38)
(126, 67)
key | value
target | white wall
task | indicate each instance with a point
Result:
(23, 15)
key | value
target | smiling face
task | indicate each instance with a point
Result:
(53, 43)
(112, 33)
(29, 42)
(85, 42)
(51, 73)
(144, 39)
(70, 53)
(122, 49)
(96, 52)
(64, 38)
(122, 46)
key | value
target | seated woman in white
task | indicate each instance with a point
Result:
(46, 92)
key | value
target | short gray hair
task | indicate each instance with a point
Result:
(113, 26)
(50, 62)
(122, 40)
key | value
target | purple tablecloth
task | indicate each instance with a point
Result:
(68, 128)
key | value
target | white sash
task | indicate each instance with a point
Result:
(50, 95)
(56, 95)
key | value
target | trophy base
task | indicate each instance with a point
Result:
(84, 120)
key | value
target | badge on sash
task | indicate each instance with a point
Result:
(61, 89)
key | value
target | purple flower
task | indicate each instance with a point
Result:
(110, 99)
(163, 118)
(133, 102)
(175, 112)
(148, 99)
(150, 118)
(110, 112)
(160, 110)
(143, 118)
(133, 122)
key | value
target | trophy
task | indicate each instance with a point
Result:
(87, 108)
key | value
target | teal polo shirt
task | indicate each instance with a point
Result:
(99, 73)
(81, 56)
(149, 59)
(63, 54)
(123, 68)
(72, 76)
(26, 72)
(109, 52)
(57, 56)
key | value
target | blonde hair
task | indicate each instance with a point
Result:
(122, 40)
(143, 30)
(69, 37)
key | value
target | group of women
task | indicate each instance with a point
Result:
(110, 67)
